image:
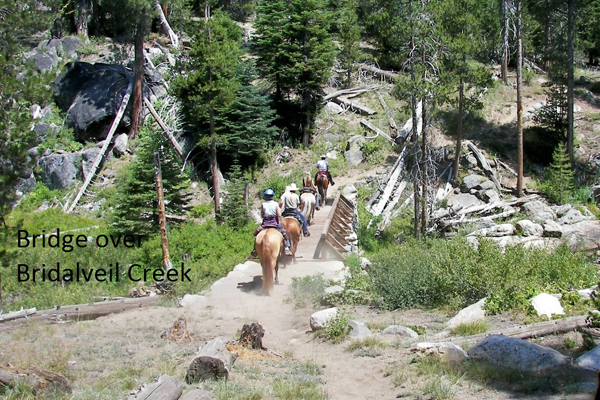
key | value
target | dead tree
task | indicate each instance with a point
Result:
(212, 362)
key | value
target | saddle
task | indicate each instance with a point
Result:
(308, 190)
(322, 173)
(261, 228)
(291, 214)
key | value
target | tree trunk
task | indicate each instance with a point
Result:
(165, 24)
(520, 171)
(166, 388)
(505, 18)
(459, 129)
(84, 10)
(214, 171)
(162, 221)
(306, 102)
(136, 96)
(213, 361)
(424, 171)
(571, 82)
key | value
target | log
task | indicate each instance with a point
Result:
(92, 171)
(165, 24)
(213, 361)
(375, 129)
(483, 163)
(39, 380)
(198, 394)
(391, 120)
(168, 134)
(354, 106)
(380, 72)
(391, 183)
(448, 223)
(17, 314)
(353, 91)
(81, 312)
(506, 166)
(387, 212)
(407, 128)
(166, 388)
(553, 327)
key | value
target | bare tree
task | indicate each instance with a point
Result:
(570, 80)
(520, 171)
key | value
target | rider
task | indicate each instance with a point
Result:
(271, 215)
(290, 202)
(323, 165)
(310, 185)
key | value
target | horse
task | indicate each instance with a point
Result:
(294, 230)
(322, 183)
(307, 181)
(308, 201)
(269, 246)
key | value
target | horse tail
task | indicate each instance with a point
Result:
(267, 263)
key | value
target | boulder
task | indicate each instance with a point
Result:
(91, 95)
(447, 351)
(572, 217)
(354, 154)
(70, 45)
(120, 146)
(546, 304)
(538, 211)
(472, 313)
(552, 229)
(526, 227)
(60, 171)
(358, 330)
(400, 331)
(331, 107)
(472, 181)
(464, 200)
(516, 354)
(44, 62)
(191, 300)
(590, 359)
(321, 319)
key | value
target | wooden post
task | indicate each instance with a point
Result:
(162, 221)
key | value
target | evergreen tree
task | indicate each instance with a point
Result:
(234, 211)
(349, 36)
(247, 124)
(296, 52)
(208, 84)
(136, 197)
(559, 182)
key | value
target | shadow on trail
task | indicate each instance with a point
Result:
(254, 286)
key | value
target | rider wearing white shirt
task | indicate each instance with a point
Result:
(323, 165)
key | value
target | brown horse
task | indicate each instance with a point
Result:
(322, 185)
(307, 181)
(294, 230)
(269, 246)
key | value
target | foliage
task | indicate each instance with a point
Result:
(440, 272)
(337, 330)
(553, 114)
(471, 328)
(233, 211)
(559, 182)
(349, 32)
(308, 290)
(136, 197)
(63, 139)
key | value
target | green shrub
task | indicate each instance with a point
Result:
(308, 290)
(201, 210)
(559, 182)
(336, 330)
(439, 272)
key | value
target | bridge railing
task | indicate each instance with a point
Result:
(338, 226)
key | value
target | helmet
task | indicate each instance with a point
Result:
(269, 192)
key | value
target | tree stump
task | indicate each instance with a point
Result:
(212, 361)
(166, 388)
(178, 331)
(252, 335)
(41, 381)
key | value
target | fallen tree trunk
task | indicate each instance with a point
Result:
(213, 361)
(407, 129)
(553, 327)
(168, 134)
(375, 129)
(390, 184)
(353, 91)
(165, 24)
(82, 312)
(483, 163)
(17, 314)
(380, 72)
(38, 379)
(166, 388)
(391, 120)
(354, 106)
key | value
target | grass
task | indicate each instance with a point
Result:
(308, 290)
(372, 342)
(471, 328)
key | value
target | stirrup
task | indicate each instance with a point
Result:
(254, 253)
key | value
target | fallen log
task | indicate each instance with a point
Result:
(353, 91)
(165, 24)
(407, 129)
(375, 129)
(380, 72)
(354, 106)
(390, 184)
(38, 379)
(391, 120)
(213, 361)
(162, 125)
(553, 327)
(81, 312)
(17, 314)
(483, 163)
(449, 223)
(166, 388)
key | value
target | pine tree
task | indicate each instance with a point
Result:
(559, 182)
(296, 52)
(136, 197)
(349, 36)
(234, 212)
(247, 124)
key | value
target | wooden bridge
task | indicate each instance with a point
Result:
(329, 234)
